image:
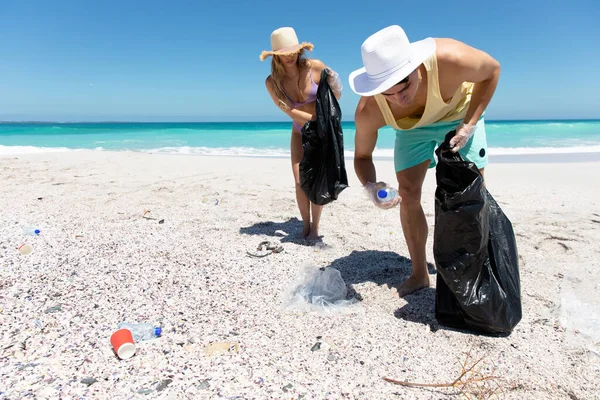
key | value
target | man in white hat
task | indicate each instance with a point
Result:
(423, 90)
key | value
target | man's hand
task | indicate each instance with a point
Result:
(371, 190)
(462, 136)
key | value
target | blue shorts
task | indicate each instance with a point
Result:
(418, 145)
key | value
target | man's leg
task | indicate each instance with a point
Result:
(414, 225)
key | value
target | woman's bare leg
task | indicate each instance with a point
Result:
(301, 199)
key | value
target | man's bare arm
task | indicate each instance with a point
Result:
(364, 142)
(471, 65)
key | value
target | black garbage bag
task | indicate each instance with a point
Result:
(475, 251)
(322, 168)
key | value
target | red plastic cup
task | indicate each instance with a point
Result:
(122, 342)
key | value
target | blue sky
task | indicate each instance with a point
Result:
(198, 60)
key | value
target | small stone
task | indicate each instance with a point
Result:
(162, 221)
(53, 309)
(331, 357)
(145, 391)
(204, 384)
(27, 367)
(287, 387)
(316, 346)
(88, 381)
(163, 385)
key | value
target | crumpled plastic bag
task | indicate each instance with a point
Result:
(580, 306)
(318, 289)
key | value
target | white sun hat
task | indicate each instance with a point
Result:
(388, 57)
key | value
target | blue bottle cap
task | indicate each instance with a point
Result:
(157, 331)
(382, 193)
(37, 231)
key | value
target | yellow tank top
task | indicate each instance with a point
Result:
(436, 109)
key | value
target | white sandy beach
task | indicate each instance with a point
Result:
(103, 264)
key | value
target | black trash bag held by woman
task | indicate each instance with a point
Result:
(322, 168)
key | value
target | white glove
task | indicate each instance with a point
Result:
(371, 190)
(334, 81)
(462, 136)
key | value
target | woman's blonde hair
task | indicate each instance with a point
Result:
(278, 72)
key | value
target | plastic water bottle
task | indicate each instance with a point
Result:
(386, 194)
(142, 332)
(31, 231)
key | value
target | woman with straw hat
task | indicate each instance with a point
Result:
(292, 85)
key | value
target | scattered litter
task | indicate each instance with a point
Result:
(145, 391)
(26, 249)
(39, 324)
(318, 289)
(31, 231)
(207, 201)
(123, 345)
(580, 306)
(266, 248)
(141, 332)
(219, 347)
(316, 347)
(329, 342)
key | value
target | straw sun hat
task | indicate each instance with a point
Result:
(284, 41)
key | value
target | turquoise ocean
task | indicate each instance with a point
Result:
(272, 139)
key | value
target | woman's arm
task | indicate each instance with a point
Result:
(335, 83)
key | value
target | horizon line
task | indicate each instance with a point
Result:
(247, 122)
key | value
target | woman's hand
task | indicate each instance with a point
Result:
(334, 81)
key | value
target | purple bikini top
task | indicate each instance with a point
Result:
(312, 96)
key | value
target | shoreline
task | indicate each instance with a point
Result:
(535, 158)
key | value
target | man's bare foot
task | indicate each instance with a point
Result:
(413, 284)
(305, 231)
